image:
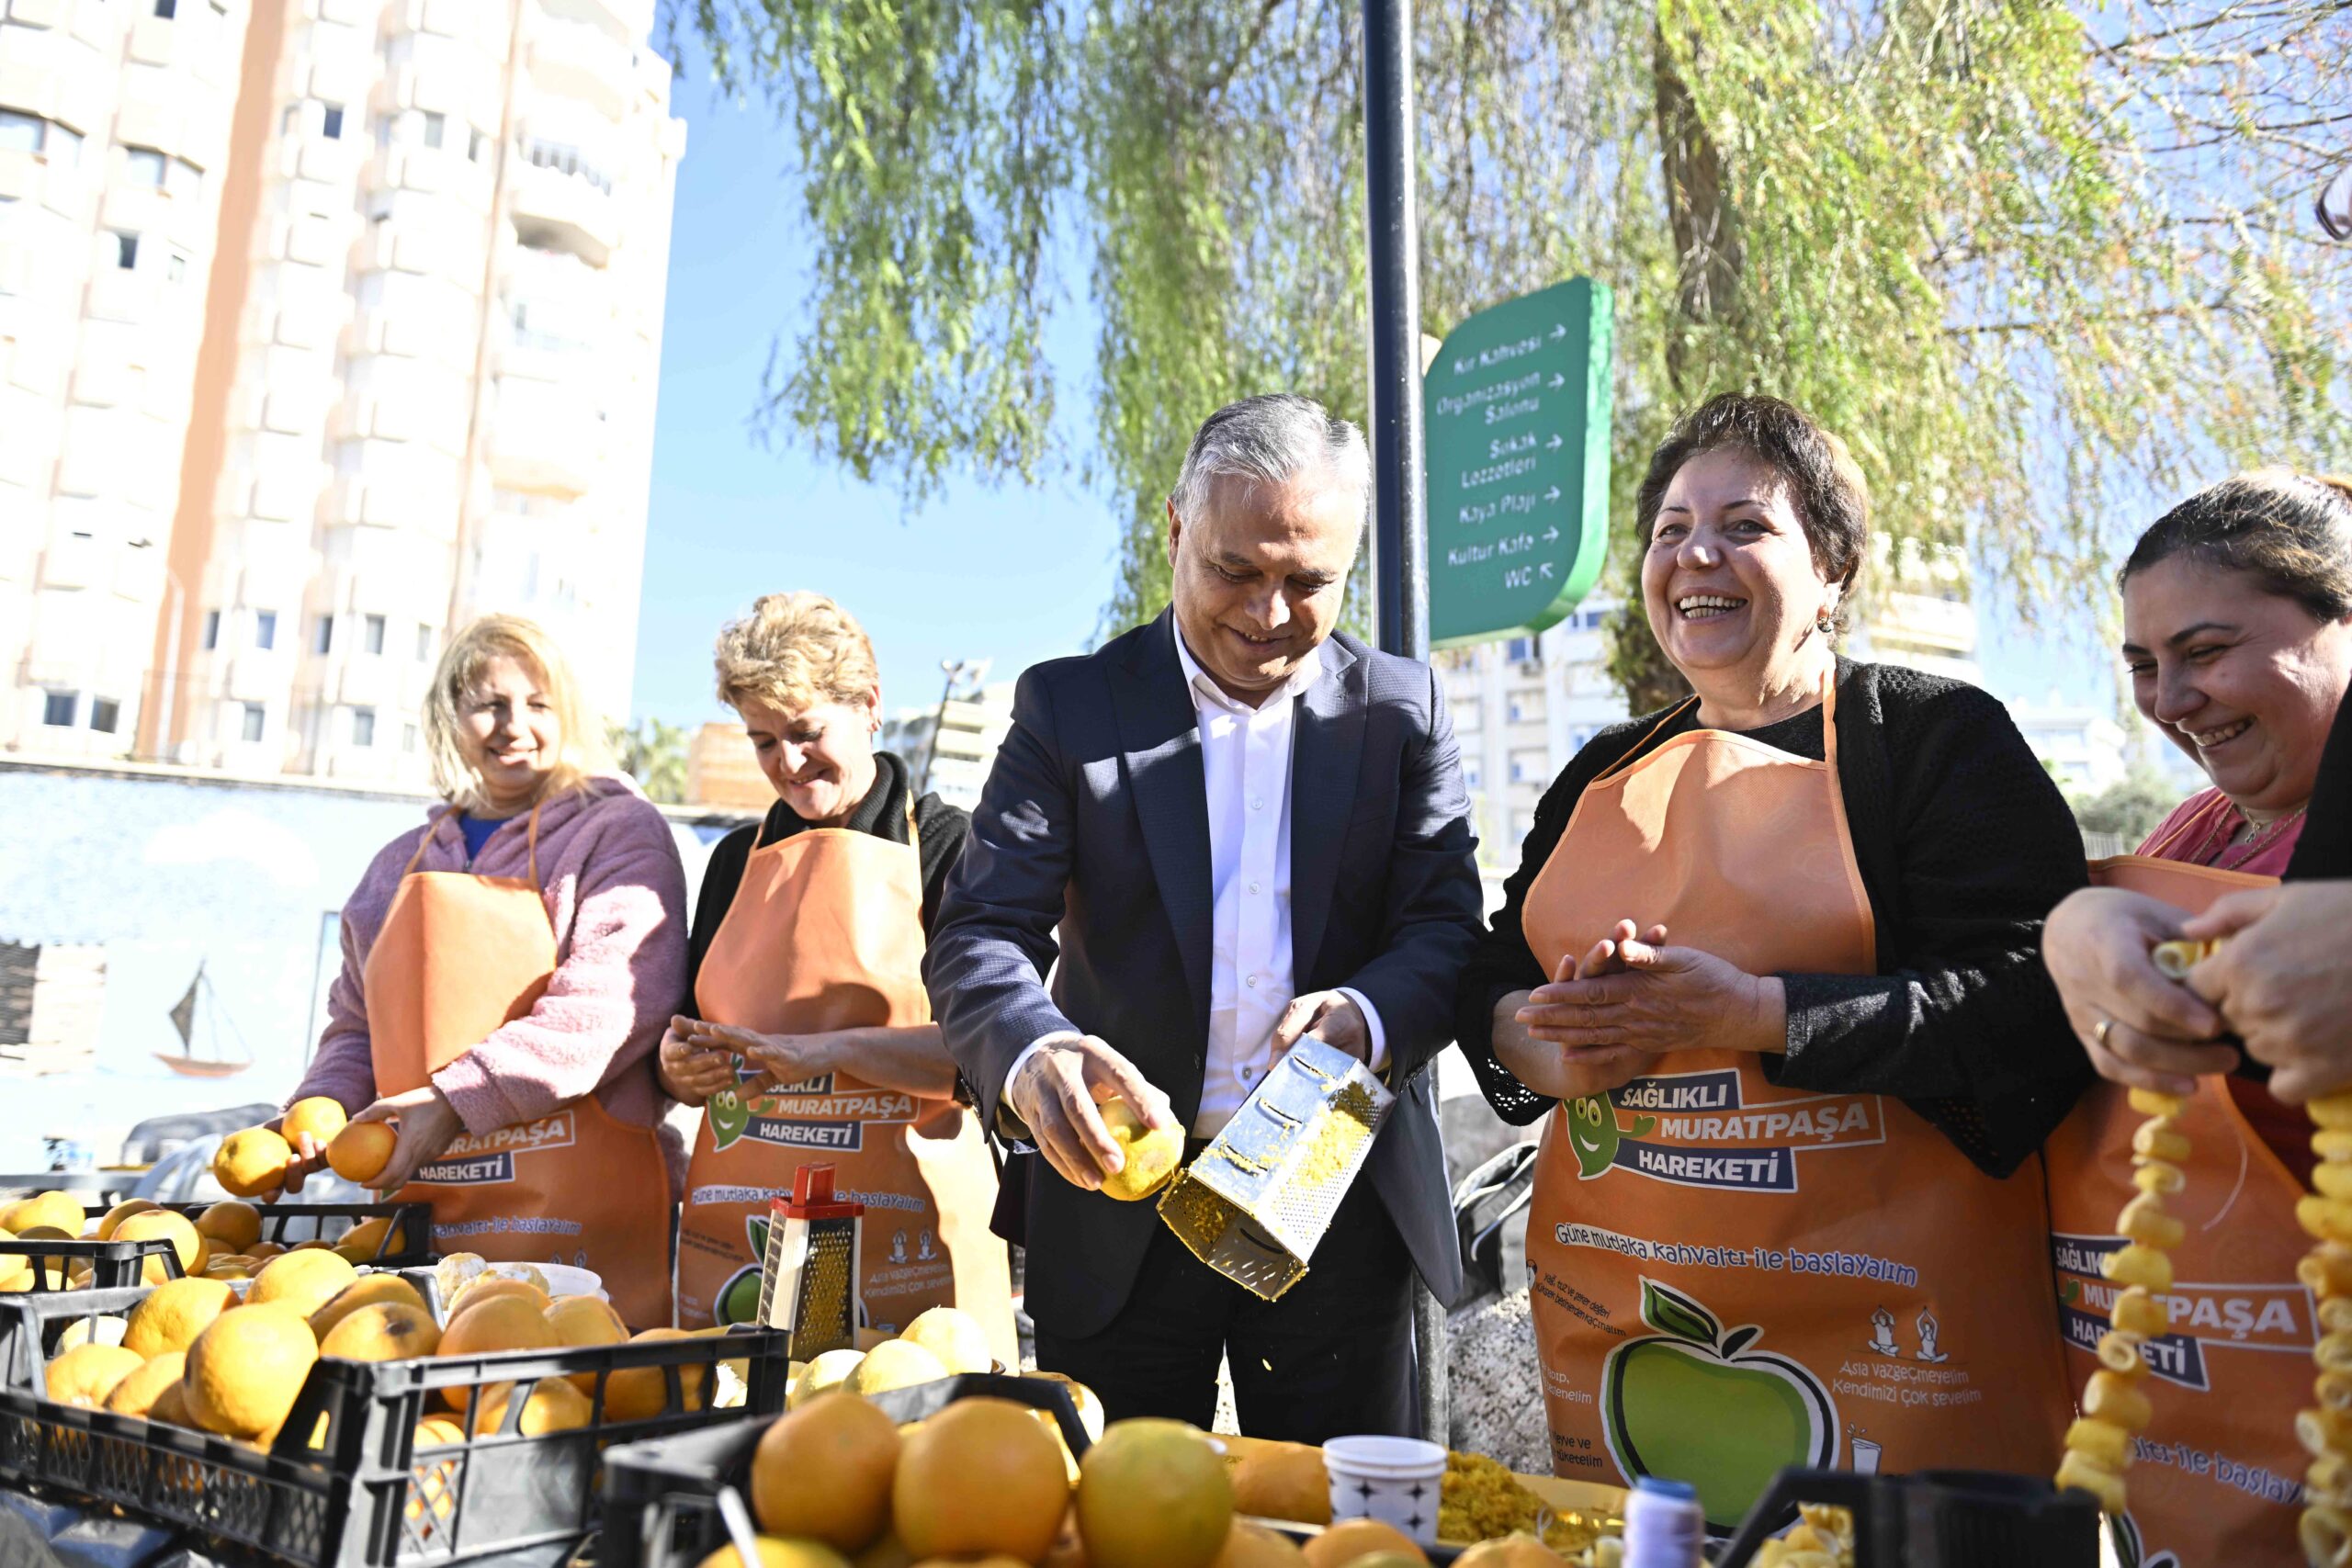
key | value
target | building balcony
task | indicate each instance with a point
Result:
(583, 62)
(543, 445)
(564, 204)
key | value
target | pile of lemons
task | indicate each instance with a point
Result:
(222, 1242)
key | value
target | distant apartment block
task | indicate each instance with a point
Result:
(372, 351)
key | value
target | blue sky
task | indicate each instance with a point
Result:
(1012, 574)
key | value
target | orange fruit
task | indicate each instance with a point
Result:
(171, 1405)
(956, 1338)
(585, 1320)
(1518, 1549)
(824, 1472)
(386, 1331)
(319, 1116)
(368, 1290)
(235, 1224)
(894, 1363)
(552, 1405)
(435, 1482)
(263, 1251)
(87, 1374)
(1255, 1545)
(120, 1213)
(252, 1162)
(492, 1285)
(1352, 1539)
(136, 1394)
(489, 1324)
(361, 1150)
(304, 1281)
(1283, 1481)
(981, 1476)
(1068, 1549)
(245, 1369)
(62, 1209)
(1153, 1494)
(636, 1393)
(161, 1224)
(174, 1314)
(777, 1552)
(365, 1241)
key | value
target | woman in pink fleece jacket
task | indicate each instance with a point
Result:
(518, 1066)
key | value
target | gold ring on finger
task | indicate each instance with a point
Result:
(2099, 1030)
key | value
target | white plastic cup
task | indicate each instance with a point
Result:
(1394, 1479)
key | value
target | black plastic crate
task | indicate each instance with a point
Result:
(367, 1497)
(114, 1265)
(663, 1499)
(119, 1265)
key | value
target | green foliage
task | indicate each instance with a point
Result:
(654, 755)
(2131, 806)
(2032, 259)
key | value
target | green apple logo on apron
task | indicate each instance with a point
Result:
(739, 1299)
(1693, 1403)
(1593, 1133)
(729, 1114)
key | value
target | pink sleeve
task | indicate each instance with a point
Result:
(607, 1004)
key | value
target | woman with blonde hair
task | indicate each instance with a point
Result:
(807, 1035)
(507, 968)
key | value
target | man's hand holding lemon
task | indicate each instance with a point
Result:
(1087, 1107)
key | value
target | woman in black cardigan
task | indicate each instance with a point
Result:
(1772, 953)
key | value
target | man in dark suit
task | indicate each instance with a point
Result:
(1243, 830)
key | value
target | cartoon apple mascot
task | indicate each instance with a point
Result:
(1593, 1134)
(1696, 1404)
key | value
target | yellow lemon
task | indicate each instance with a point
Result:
(161, 1224)
(956, 1338)
(136, 1394)
(894, 1363)
(62, 1209)
(120, 1213)
(828, 1370)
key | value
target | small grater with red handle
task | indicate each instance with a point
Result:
(808, 1278)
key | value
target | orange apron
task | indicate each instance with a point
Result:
(825, 932)
(1729, 1277)
(460, 955)
(2215, 1478)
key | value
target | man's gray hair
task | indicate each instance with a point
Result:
(1272, 439)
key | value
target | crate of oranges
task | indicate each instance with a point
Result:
(330, 1418)
(54, 1242)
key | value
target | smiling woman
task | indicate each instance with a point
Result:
(1768, 961)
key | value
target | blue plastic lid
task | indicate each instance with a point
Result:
(1657, 1486)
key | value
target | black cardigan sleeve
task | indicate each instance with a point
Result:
(721, 875)
(1964, 844)
(1961, 1020)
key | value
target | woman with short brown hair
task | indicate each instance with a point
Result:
(1769, 963)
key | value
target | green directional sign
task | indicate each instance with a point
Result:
(1516, 407)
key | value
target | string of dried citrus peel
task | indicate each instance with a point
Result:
(2326, 1215)
(2098, 1444)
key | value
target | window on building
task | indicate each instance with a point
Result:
(211, 630)
(331, 122)
(1527, 707)
(435, 127)
(126, 251)
(1520, 648)
(423, 643)
(57, 708)
(175, 265)
(408, 738)
(374, 626)
(62, 147)
(254, 716)
(167, 9)
(1470, 775)
(1528, 767)
(265, 628)
(288, 118)
(363, 726)
(322, 638)
(144, 166)
(383, 131)
(106, 713)
(21, 132)
(476, 143)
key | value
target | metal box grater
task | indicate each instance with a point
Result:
(808, 1280)
(1259, 1198)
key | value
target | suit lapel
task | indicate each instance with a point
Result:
(1327, 748)
(1159, 735)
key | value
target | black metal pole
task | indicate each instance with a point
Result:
(1401, 539)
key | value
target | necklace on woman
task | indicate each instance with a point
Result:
(2253, 846)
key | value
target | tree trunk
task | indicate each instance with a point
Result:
(1698, 209)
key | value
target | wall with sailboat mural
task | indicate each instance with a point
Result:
(211, 902)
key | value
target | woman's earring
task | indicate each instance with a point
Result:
(1823, 623)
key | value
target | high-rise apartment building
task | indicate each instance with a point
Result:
(114, 139)
(419, 383)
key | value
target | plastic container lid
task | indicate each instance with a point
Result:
(1658, 1485)
(1375, 1458)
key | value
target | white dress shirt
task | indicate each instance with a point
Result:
(1246, 763)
